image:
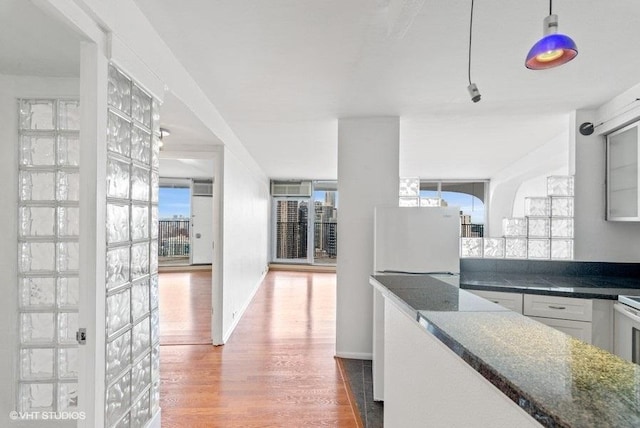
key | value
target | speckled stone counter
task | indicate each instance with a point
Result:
(559, 380)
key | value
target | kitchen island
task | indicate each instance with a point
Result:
(451, 360)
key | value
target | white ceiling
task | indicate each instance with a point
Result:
(282, 72)
(186, 168)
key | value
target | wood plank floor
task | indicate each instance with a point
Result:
(277, 369)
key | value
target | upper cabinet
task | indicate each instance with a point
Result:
(622, 174)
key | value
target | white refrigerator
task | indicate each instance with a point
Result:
(411, 240)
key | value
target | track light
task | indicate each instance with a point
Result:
(552, 49)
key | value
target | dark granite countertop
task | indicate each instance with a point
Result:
(588, 286)
(559, 380)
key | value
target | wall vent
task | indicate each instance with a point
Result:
(202, 188)
(291, 188)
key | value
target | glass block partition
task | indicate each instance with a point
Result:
(48, 254)
(131, 283)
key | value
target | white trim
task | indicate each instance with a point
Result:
(155, 421)
(241, 312)
(355, 355)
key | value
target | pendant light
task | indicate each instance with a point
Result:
(474, 93)
(553, 49)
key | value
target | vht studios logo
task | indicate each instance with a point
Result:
(51, 416)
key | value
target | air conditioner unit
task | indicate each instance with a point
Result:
(202, 188)
(291, 188)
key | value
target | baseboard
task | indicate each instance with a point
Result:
(301, 268)
(241, 312)
(355, 355)
(183, 268)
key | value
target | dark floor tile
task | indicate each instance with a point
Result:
(360, 377)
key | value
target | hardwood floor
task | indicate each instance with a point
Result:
(276, 370)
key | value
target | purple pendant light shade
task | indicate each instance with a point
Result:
(553, 49)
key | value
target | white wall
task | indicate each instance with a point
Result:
(536, 186)
(368, 175)
(245, 240)
(11, 88)
(595, 238)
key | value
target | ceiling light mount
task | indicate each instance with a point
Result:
(553, 49)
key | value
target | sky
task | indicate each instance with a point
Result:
(174, 202)
(468, 204)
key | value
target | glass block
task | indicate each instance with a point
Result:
(117, 179)
(36, 397)
(69, 150)
(37, 292)
(118, 311)
(562, 249)
(140, 412)
(494, 247)
(117, 269)
(37, 186)
(155, 117)
(36, 363)
(154, 293)
(537, 206)
(155, 153)
(118, 135)
(68, 256)
(409, 186)
(561, 206)
(37, 328)
(140, 299)
(68, 221)
(37, 150)
(139, 222)
(67, 396)
(155, 185)
(515, 248)
(139, 260)
(155, 362)
(155, 326)
(125, 422)
(514, 227)
(36, 221)
(408, 202)
(69, 115)
(117, 223)
(155, 397)
(430, 202)
(538, 248)
(141, 338)
(37, 256)
(139, 184)
(562, 227)
(141, 106)
(141, 145)
(68, 186)
(154, 221)
(141, 376)
(471, 247)
(67, 327)
(153, 257)
(538, 227)
(68, 292)
(118, 355)
(119, 90)
(118, 398)
(68, 363)
(37, 114)
(560, 185)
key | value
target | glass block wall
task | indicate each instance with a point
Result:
(48, 254)
(546, 231)
(131, 284)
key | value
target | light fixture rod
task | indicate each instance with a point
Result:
(470, 38)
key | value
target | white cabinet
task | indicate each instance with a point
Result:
(567, 308)
(578, 329)
(623, 180)
(511, 301)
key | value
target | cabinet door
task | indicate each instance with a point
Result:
(578, 329)
(622, 175)
(511, 301)
(567, 308)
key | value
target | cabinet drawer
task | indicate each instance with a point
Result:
(511, 301)
(567, 308)
(579, 329)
